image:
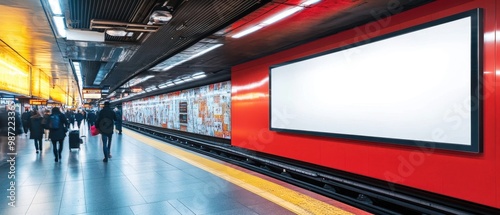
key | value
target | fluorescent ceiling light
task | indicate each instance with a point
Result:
(55, 7)
(77, 66)
(149, 89)
(136, 81)
(248, 31)
(167, 84)
(310, 2)
(178, 81)
(202, 52)
(282, 15)
(181, 58)
(199, 75)
(116, 32)
(60, 26)
(276, 18)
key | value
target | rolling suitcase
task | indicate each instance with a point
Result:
(74, 139)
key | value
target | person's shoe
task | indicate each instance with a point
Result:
(59, 156)
(56, 160)
(105, 160)
(37, 151)
(109, 156)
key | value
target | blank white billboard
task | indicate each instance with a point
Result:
(416, 86)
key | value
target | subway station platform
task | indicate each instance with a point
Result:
(145, 176)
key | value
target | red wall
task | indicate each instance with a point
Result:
(472, 177)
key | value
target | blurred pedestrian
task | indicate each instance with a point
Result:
(78, 118)
(45, 124)
(118, 122)
(58, 128)
(25, 117)
(91, 117)
(36, 129)
(105, 125)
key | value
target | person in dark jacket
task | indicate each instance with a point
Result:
(118, 122)
(57, 135)
(45, 124)
(105, 121)
(91, 117)
(70, 116)
(78, 118)
(25, 117)
(36, 129)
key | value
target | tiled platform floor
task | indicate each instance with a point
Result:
(138, 179)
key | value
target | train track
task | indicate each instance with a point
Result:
(367, 194)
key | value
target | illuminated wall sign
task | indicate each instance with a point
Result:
(58, 95)
(44, 86)
(14, 72)
(136, 89)
(38, 102)
(91, 93)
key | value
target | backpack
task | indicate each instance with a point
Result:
(54, 121)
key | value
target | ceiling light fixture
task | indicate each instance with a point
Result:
(60, 26)
(136, 81)
(181, 58)
(161, 14)
(116, 32)
(151, 88)
(248, 31)
(199, 75)
(164, 85)
(178, 81)
(275, 18)
(55, 7)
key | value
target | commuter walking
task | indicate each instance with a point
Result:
(58, 128)
(36, 129)
(70, 116)
(25, 117)
(45, 124)
(118, 122)
(105, 120)
(91, 117)
(78, 118)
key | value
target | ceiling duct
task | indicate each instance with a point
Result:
(121, 28)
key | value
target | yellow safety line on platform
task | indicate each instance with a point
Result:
(280, 195)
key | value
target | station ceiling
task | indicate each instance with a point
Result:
(148, 50)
